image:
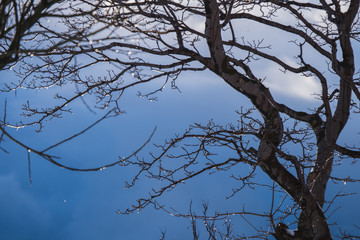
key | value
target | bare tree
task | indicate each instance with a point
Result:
(155, 41)
(31, 29)
(22, 33)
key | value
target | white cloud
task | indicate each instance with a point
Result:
(291, 84)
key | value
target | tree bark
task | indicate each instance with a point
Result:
(312, 224)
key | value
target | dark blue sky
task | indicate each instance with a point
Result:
(69, 205)
(60, 204)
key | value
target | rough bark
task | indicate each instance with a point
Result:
(313, 223)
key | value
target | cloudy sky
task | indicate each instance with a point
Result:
(60, 204)
(70, 205)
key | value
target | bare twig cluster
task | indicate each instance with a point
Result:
(148, 44)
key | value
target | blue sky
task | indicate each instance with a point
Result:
(60, 204)
(69, 205)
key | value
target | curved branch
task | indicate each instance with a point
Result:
(347, 151)
(51, 158)
(286, 28)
